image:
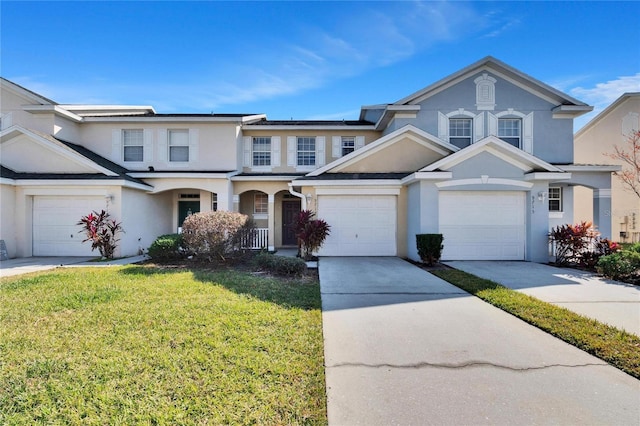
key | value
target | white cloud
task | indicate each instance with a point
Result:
(604, 94)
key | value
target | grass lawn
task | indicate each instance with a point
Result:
(615, 346)
(143, 345)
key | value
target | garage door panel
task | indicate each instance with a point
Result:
(55, 229)
(486, 225)
(360, 225)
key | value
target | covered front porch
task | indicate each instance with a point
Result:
(273, 208)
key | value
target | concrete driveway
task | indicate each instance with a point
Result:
(404, 347)
(585, 293)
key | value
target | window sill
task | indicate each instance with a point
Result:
(259, 216)
(261, 169)
(305, 168)
(556, 215)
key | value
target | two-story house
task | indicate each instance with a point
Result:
(483, 156)
(599, 137)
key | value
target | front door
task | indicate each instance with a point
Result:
(187, 208)
(290, 210)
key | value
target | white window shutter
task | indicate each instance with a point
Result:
(320, 151)
(443, 127)
(359, 142)
(493, 124)
(336, 146)
(194, 144)
(275, 151)
(291, 150)
(478, 127)
(247, 151)
(116, 145)
(147, 149)
(162, 145)
(527, 133)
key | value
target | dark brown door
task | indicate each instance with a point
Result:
(290, 210)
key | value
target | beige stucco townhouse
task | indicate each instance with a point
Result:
(613, 126)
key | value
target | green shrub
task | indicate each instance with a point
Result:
(429, 247)
(166, 247)
(635, 247)
(280, 265)
(619, 266)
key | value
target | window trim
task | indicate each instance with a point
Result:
(308, 151)
(352, 140)
(259, 213)
(460, 119)
(125, 146)
(169, 145)
(559, 199)
(505, 137)
(268, 152)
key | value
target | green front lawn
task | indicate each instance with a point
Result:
(615, 346)
(138, 344)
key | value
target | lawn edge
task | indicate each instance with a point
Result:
(617, 347)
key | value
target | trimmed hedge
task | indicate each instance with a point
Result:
(280, 265)
(166, 247)
(429, 247)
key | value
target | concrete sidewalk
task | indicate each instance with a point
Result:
(585, 293)
(404, 347)
(25, 265)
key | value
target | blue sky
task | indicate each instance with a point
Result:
(308, 60)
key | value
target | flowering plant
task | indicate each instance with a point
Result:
(102, 231)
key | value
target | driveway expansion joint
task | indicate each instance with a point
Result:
(463, 365)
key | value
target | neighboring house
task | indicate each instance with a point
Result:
(611, 127)
(483, 156)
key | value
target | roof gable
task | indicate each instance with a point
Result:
(498, 148)
(618, 103)
(27, 94)
(404, 150)
(493, 65)
(29, 151)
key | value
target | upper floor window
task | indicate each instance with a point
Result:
(555, 199)
(132, 141)
(261, 151)
(348, 145)
(260, 203)
(306, 151)
(179, 145)
(460, 131)
(510, 131)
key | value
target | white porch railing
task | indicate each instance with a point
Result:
(258, 240)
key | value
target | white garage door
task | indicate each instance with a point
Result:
(55, 232)
(482, 225)
(361, 225)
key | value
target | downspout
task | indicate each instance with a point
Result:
(299, 195)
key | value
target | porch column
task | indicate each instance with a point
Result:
(602, 211)
(271, 214)
(236, 203)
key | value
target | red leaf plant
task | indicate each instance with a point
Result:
(102, 231)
